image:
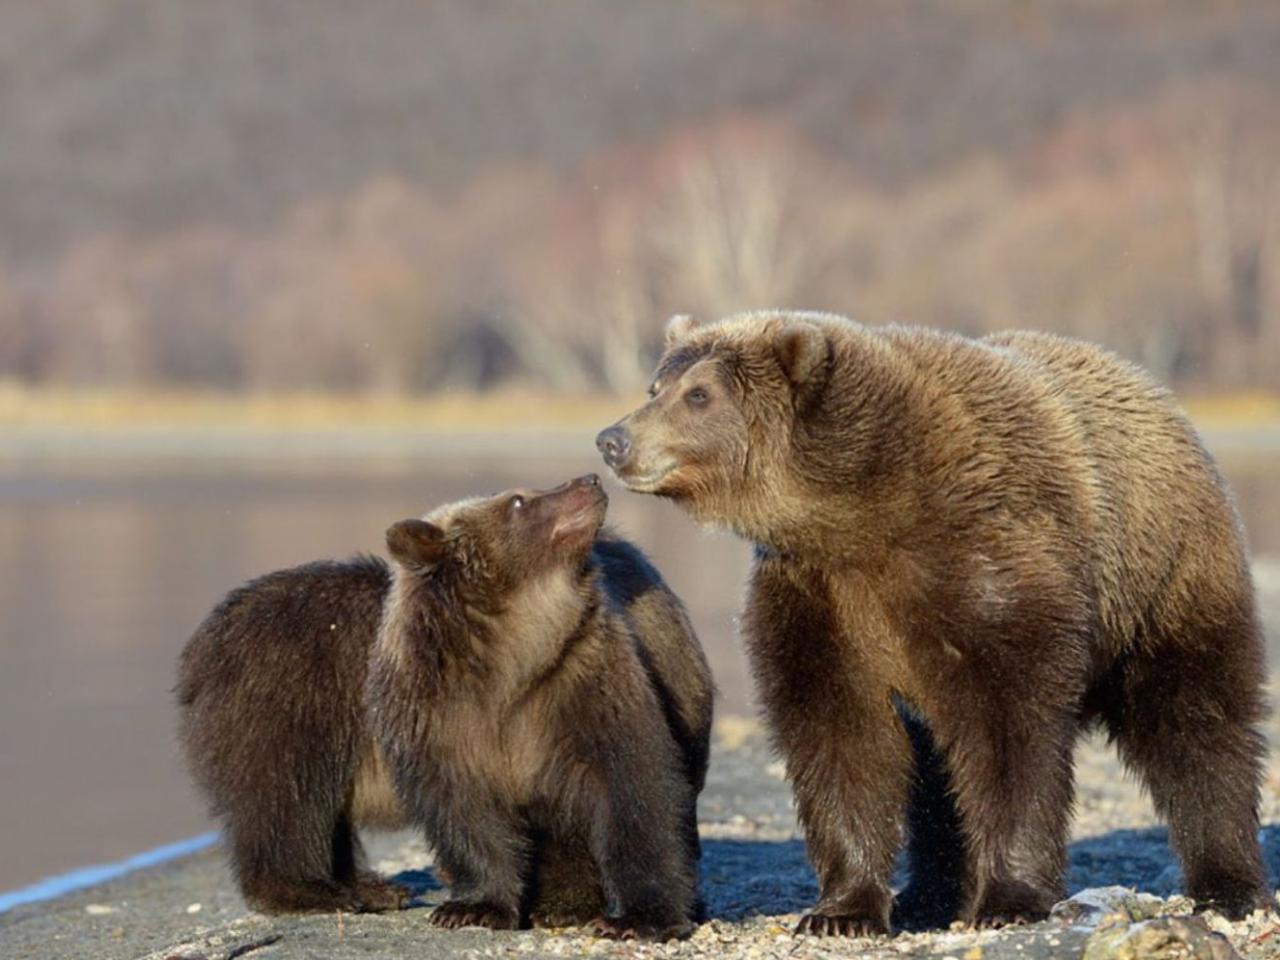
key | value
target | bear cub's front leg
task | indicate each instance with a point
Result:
(645, 866)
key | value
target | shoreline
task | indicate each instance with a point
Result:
(54, 423)
(203, 442)
(96, 874)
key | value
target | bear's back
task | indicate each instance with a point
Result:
(314, 611)
(1153, 492)
(1146, 463)
(1046, 429)
(284, 653)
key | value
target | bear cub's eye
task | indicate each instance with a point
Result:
(697, 397)
(517, 502)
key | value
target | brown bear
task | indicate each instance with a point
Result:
(272, 721)
(968, 551)
(545, 709)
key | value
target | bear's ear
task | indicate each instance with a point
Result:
(679, 327)
(802, 351)
(416, 542)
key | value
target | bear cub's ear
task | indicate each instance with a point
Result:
(679, 327)
(416, 542)
(802, 351)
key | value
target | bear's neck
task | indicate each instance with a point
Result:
(837, 480)
(535, 623)
(456, 643)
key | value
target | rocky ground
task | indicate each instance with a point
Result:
(1122, 877)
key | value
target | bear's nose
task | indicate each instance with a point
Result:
(615, 445)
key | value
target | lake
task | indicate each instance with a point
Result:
(107, 565)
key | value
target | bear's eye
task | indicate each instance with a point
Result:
(697, 397)
(517, 502)
(653, 389)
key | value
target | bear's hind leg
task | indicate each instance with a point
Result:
(693, 850)
(1185, 721)
(287, 865)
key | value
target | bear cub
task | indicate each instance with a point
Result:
(272, 722)
(544, 708)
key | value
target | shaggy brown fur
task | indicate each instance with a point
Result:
(1011, 538)
(546, 711)
(270, 690)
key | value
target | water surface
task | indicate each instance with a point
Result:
(107, 566)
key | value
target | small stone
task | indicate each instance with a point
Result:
(1218, 923)
(193, 908)
(98, 909)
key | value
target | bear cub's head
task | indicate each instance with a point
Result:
(494, 544)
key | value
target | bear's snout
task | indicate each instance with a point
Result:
(614, 444)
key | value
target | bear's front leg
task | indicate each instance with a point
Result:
(483, 851)
(847, 756)
(635, 839)
(566, 885)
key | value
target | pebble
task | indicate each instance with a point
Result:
(98, 909)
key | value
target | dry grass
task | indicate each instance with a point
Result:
(1242, 409)
(502, 410)
(35, 407)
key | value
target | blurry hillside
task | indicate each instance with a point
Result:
(404, 196)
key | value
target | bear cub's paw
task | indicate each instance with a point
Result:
(641, 928)
(376, 895)
(311, 896)
(475, 913)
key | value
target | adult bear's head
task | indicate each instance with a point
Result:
(716, 431)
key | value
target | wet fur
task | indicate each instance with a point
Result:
(270, 694)
(550, 729)
(1013, 539)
